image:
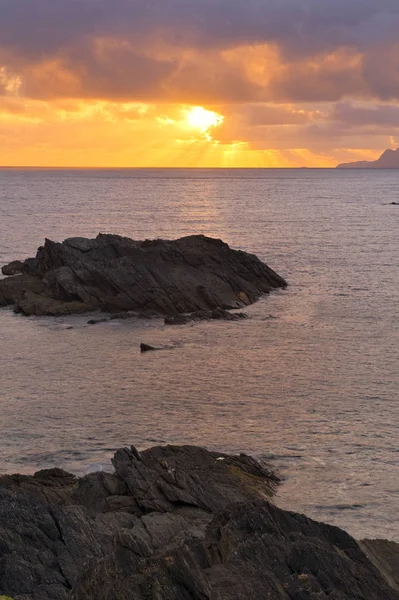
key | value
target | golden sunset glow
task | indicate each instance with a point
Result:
(109, 90)
(202, 119)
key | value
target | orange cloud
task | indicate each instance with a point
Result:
(100, 83)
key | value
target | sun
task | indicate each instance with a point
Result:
(202, 119)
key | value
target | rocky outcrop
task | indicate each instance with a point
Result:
(389, 159)
(173, 523)
(117, 274)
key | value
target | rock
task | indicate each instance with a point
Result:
(251, 550)
(147, 348)
(394, 203)
(121, 316)
(13, 289)
(205, 315)
(179, 319)
(385, 556)
(175, 523)
(117, 275)
(97, 321)
(40, 305)
(13, 268)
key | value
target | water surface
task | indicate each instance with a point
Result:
(310, 381)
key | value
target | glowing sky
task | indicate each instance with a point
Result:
(149, 83)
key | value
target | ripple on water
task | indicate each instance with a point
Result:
(310, 380)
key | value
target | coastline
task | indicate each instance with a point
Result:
(174, 520)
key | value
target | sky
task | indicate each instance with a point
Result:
(197, 83)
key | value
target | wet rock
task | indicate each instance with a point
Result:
(176, 523)
(117, 275)
(179, 319)
(205, 315)
(147, 348)
(97, 321)
(13, 268)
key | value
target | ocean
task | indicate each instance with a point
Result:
(309, 382)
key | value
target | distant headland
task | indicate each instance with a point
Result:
(389, 159)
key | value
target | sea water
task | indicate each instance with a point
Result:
(309, 382)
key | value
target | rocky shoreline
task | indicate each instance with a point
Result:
(114, 274)
(177, 523)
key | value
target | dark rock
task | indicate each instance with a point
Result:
(385, 556)
(147, 348)
(41, 305)
(162, 476)
(13, 268)
(395, 203)
(97, 321)
(13, 289)
(117, 275)
(205, 315)
(179, 319)
(176, 523)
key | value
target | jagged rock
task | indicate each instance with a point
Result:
(248, 551)
(117, 274)
(175, 523)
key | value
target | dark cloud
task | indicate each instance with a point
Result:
(137, 49)
(40, 26)
(355, 115)
(117, 72)
(326, 78)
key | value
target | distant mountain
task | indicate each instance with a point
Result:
(388, 160)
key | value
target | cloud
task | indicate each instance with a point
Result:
(324, 50)
(43, 26)
(286, 74)
(355, 115)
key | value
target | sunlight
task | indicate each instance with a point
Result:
(202, 119)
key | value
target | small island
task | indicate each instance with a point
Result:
(116, 274)
(177, 523)
(389, 159)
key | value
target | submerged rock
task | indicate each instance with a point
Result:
(205, 315)
(175, 523)
(117, 274)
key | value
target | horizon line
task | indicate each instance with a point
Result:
(153, 168)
